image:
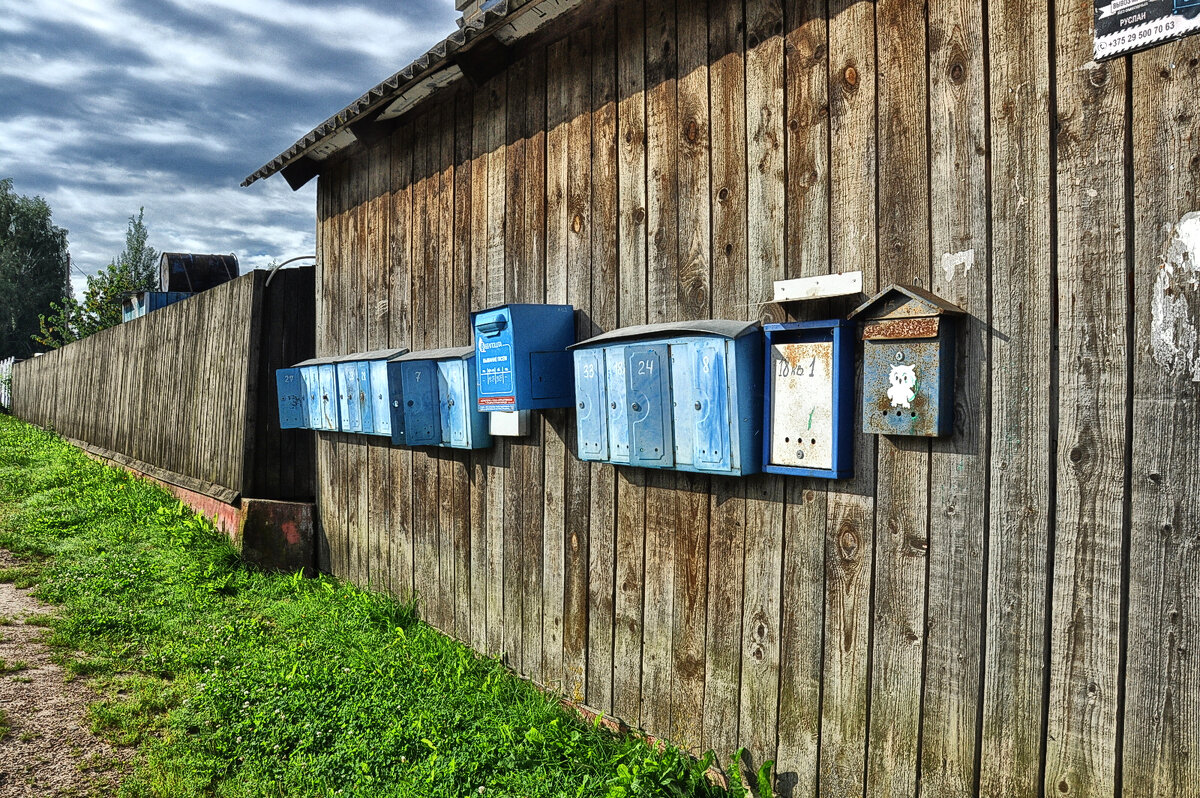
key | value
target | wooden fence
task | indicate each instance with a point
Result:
(1011, 611)
(187, 393)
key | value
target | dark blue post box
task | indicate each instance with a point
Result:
(685, 395)
(293, 399)
(433, 400)
(522, 361)
(809, 409)
(908, 362)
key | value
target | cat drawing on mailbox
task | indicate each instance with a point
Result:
(904, 385)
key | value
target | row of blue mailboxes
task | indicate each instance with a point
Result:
(687, 396)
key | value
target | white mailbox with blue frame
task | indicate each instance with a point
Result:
(363, 392)
(433, 395)
(522, 361)
(308, 395)
(908, 362)
(809, 409)
(685, 396)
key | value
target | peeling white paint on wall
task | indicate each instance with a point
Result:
(951, 261)
(1174, 333)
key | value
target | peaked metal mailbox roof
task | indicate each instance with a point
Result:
(724, 328)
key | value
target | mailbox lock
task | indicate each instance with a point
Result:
(697, 405)
(396, 403)
(636, 406)
(450, 403)
(410, 402)
(899, 356)
(581, 405)
(613, 405)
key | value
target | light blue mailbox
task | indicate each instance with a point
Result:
(684, 395)
(308, 395)
(293, 399)
(433, 400)
(362, 387)
(522, 361)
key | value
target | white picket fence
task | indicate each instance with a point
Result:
(6, 367)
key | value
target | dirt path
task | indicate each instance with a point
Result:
(49, 750)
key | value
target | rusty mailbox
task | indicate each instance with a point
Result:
(908, 362)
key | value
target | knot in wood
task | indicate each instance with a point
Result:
(957, 72)
(1076, 454)
(723, 195)
(639, 215)
(1098, 76)
(691, 131)
(851, 76)
(577, 223)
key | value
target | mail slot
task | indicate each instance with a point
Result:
(433, 400)
(522, 361)
(808, 415)
(685, 396)
(362, 389)
(908, 362)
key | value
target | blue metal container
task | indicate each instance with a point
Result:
(434, 400)
(522, 362)
(809, 409)
(685, 396)
(363, 392)
(908, 362)
(134, 306)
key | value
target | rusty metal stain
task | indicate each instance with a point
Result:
(921, 327)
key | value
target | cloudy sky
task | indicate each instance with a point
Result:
(107, 106)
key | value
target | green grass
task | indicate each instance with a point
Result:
(5, 726)
(234, 682)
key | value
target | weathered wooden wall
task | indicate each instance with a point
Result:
(1012, 611)
(187, 393)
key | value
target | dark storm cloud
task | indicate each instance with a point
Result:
(111, 106)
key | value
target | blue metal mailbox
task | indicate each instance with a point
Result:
(809, 408)
(363, 391)
(521, 357)
(433, 400)
(138, 304)
(908, 362)
(293, 398)
(308, 395)
(683, 395)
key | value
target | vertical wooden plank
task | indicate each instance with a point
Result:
(1085, 642)
(662, 305)
(360, 497)
(480, 510)
(460, 335)
(1162, 724)
(727, 513)
(632, 233)
(806, 214)
(530, 466)
(379, 291)
(850, 527)
(602, 523)
(694, 265)
(765, 169)
(514, 264)
(498, 460)
(558, 174)
(450, 478)
(902, 488)
(400, 517)
(424, 306)
(1021, 445)
(958, 476)
(325, 496)
(577, 490)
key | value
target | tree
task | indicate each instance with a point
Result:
(134, 270)
(34, 268)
